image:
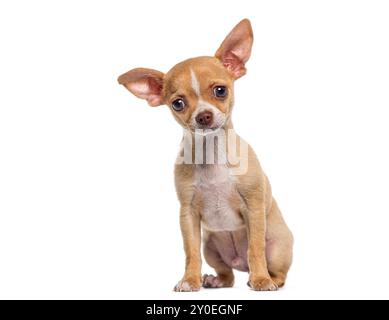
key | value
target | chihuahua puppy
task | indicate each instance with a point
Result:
(227, 203)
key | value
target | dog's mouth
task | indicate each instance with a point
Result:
(206, 122)
(204, 130)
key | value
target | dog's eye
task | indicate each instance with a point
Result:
(220, 92)
(178, 104)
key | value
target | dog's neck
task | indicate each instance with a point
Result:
(207, 147)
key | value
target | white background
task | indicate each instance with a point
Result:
(87, 201)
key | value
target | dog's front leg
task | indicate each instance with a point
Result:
(191, 233)
(255, 214)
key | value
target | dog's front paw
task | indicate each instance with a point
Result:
(188, 285)
(262, 284)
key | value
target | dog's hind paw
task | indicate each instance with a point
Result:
(210, 281)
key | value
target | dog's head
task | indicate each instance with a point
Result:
(199, 91)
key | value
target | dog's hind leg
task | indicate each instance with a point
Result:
(224, 274)
(279, 245)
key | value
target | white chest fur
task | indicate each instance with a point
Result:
(215, 187)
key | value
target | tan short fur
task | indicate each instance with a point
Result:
(236, 215)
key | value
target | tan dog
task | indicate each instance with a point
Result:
(242, 225)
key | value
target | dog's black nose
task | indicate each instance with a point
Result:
(204, 118)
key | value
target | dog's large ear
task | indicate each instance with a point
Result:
(235, 50)
(145, 84)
